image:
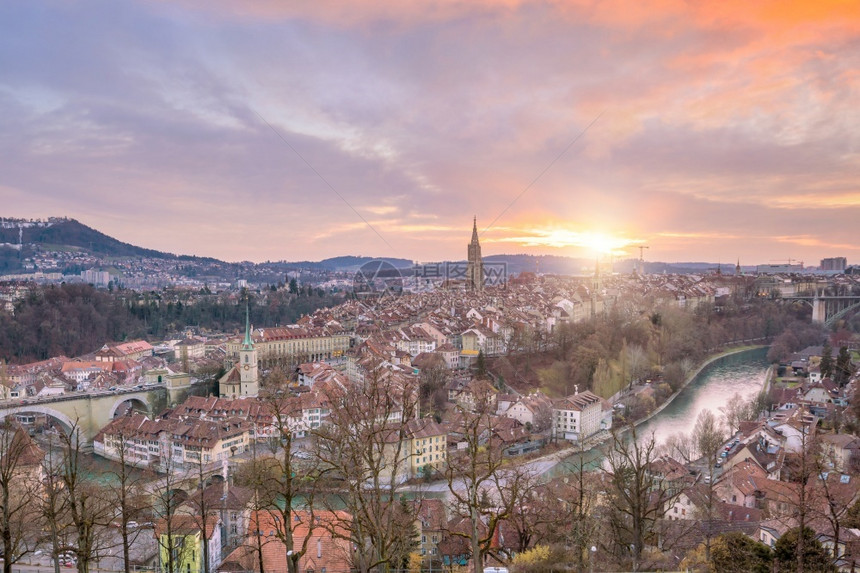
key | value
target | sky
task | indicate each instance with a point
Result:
(270, 130)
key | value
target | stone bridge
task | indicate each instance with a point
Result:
(91, 411)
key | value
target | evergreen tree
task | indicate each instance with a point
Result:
(844, 368)
(826, 364)
(735, 552)
(481, 364)
(814, 556)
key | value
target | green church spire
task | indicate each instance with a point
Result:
(247, 343)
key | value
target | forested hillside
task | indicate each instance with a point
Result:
(74, 319)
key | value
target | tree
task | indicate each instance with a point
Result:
(801, 468)
(481, 365)
(637, 499)
(19, 491)
(734, 552)
(362, 449)
(286, 477)
(167, 496)
(682, 447)
(433, 380)
(844, 369)
(89, 509)
(637, 362)
(483, 491)
(574, 503)
(736, 410)
(801, 552)
(709, 436)
(52, 504)
(127, 495)
(826, 364)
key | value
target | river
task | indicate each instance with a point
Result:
(743, 373)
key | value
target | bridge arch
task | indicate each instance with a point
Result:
(134, 401)
(66, 422)
(832, 320)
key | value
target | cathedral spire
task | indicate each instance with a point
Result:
(474, 265)
(247, 343)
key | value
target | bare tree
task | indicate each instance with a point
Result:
(483, 490)
(561, 512)
(254, 474)
(637, 362)
(834, 499)
(88, 507)
(287, 474)
(168, 495)
(19, 491)
(52, 506)
(709, 436)
(637, 499)
(363, 450)
(801, 469)
(128, 496)
(680, 446)
(734, 412)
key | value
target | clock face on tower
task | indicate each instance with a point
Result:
(247, 366)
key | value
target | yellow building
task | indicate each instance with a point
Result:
(180, 545)
(292, 344)
(427, 446)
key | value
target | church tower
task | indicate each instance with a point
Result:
(249, 385)
(475, 266)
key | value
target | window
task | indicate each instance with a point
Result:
(423, 539)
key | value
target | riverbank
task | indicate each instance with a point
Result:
(693, 376)
(544, 463)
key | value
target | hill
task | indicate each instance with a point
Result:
(353, 263)
(21, 238)
(65, 233)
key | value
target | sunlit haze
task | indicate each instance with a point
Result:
(707, 131)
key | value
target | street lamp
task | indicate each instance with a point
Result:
(591, 558)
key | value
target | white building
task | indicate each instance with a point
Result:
(577, 417)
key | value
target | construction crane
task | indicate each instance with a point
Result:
(642, 258)
(790, 261)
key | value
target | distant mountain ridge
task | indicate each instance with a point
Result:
(71, 233)
(67, 232)
(19, 236)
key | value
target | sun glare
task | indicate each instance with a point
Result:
(604, 244)
(597, 243)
